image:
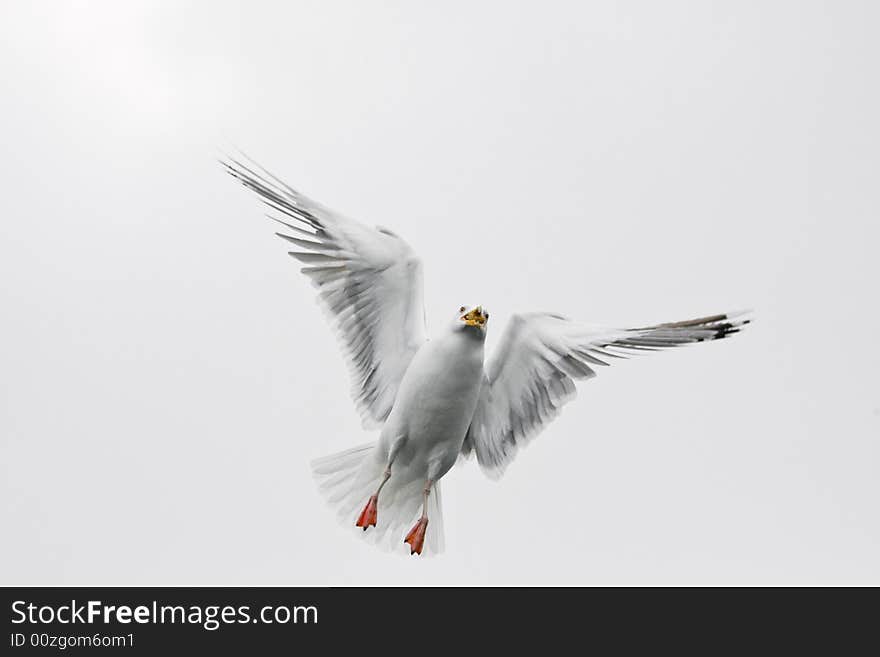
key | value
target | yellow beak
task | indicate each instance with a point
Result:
(475, 317)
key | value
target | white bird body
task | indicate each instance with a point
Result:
(435, 404)
(434, 400)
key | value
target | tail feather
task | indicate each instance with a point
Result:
(342, 461)
(348, 478)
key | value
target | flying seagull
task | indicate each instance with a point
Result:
(434, 399)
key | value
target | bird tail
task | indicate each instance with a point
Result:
(348, 478)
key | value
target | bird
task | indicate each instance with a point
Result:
(435, 400)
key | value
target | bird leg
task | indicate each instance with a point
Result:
(416, 536)
(370, 514)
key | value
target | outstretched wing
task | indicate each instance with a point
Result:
(531, 375)
(368, 280)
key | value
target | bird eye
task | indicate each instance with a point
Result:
(461, 310)
(487, 315)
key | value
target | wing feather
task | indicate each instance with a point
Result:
(369, 283)
(532, 373)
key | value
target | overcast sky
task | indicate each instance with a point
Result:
(167, 377)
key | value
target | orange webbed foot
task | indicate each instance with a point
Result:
(370, 513)
(416, 537)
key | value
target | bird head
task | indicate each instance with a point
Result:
(476, 317)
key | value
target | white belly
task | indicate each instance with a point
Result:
(434, 405)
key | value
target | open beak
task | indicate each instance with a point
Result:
(475, 317)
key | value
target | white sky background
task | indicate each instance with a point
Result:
(166, 375)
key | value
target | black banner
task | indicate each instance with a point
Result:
(154, 620)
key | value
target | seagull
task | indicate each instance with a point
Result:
(435, 401)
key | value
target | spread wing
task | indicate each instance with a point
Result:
(531, 375)
(368, 279)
